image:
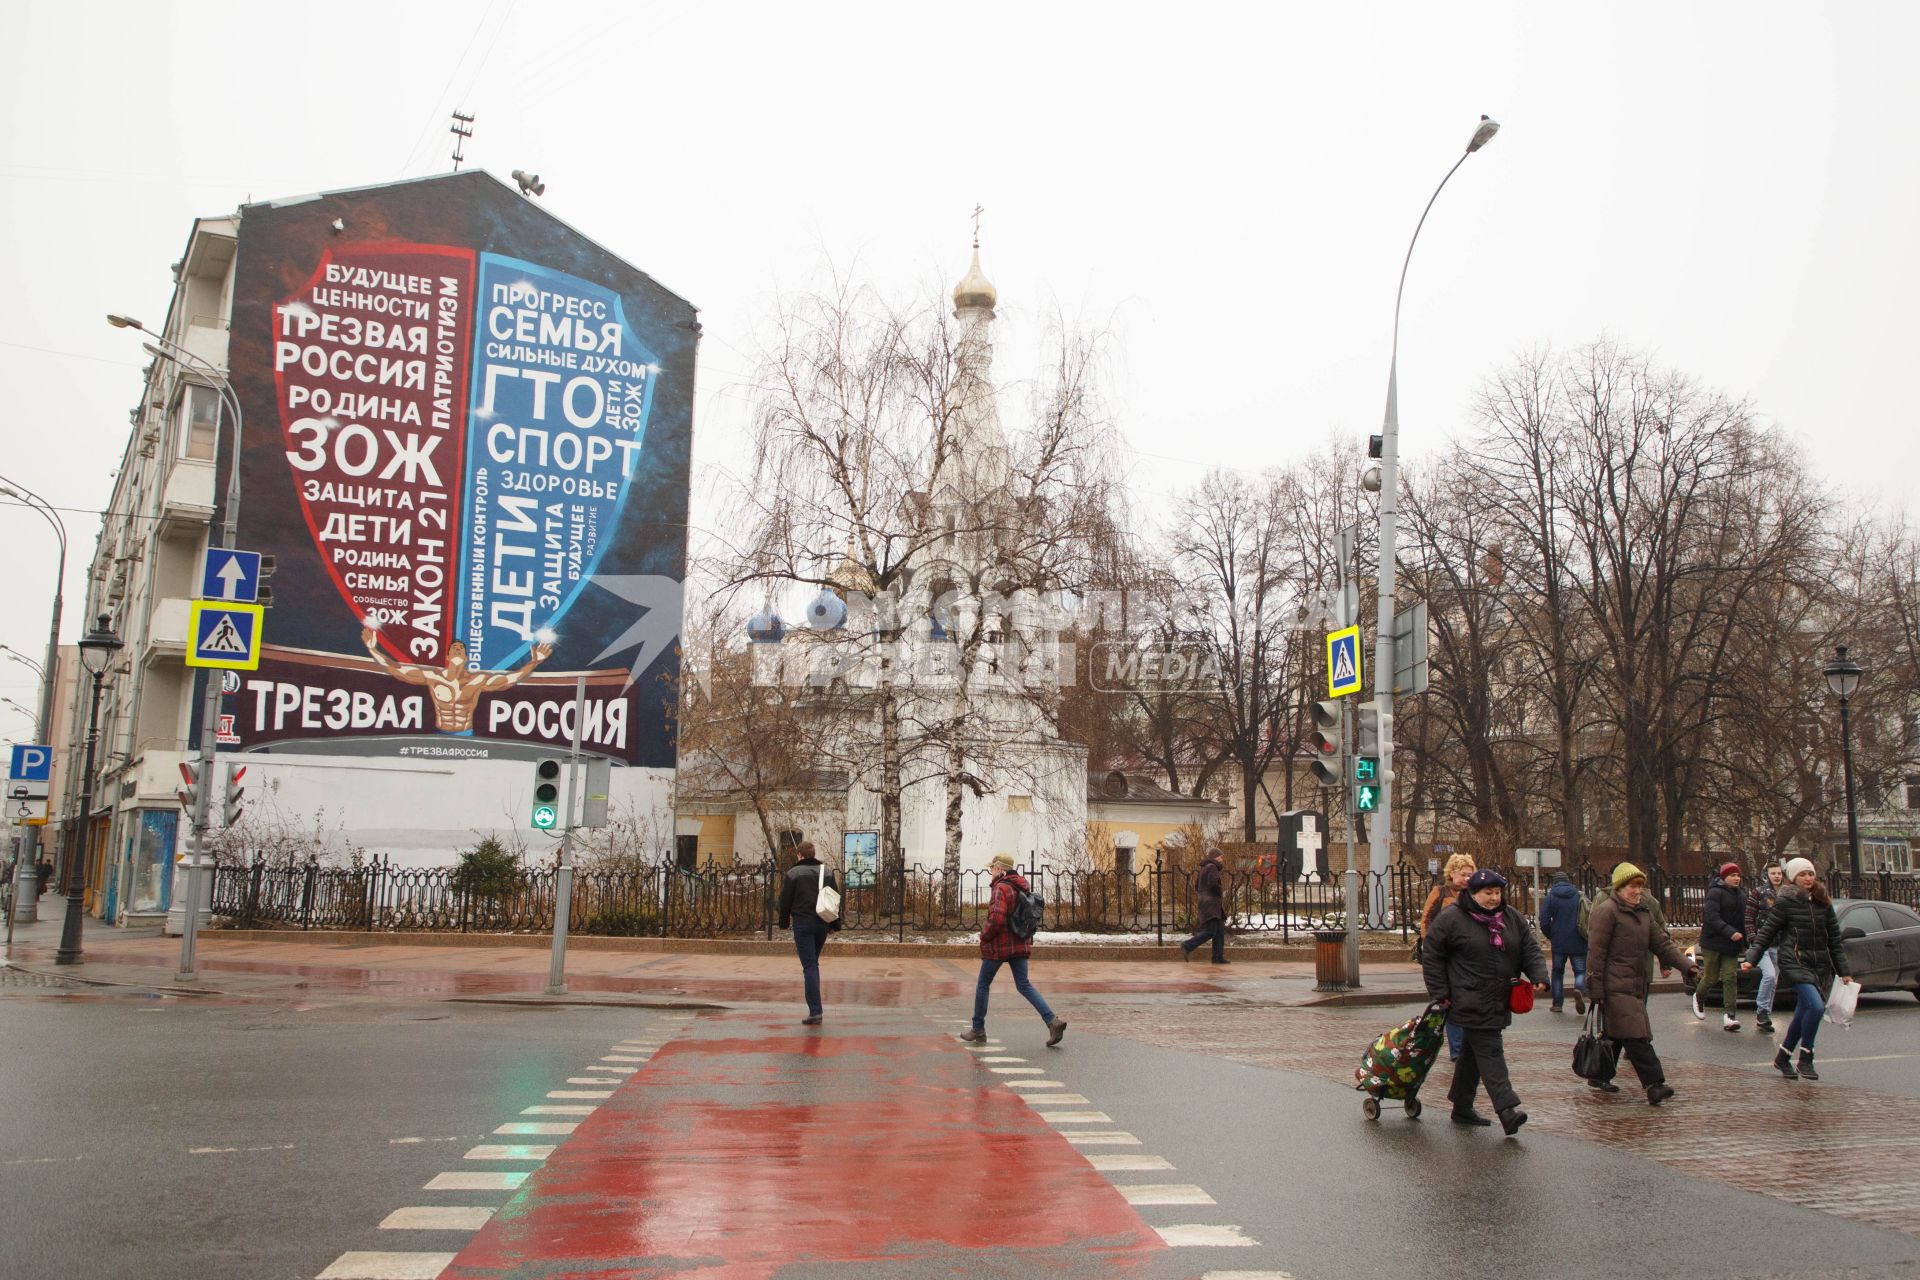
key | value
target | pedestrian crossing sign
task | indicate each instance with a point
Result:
(1343, 662)
(225, 635)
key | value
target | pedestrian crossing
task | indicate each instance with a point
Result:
(556, 1117)
(1067, 1112)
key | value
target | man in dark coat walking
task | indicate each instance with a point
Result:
(1723, 933)
(1476, 950)
(1560, 914)
(1621, 934)
(1209, 906)
(799, 893)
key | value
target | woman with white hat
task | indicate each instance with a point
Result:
(1803, 925)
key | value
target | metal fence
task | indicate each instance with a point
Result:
(736, 900)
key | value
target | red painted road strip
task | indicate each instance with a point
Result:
(752, 1144)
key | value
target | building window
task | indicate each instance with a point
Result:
(1019, 804)
(1882, 855)
(199, 422)
(1913, 792)
(1910, 730)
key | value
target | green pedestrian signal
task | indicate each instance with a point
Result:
(546, 794)
(1366, 797)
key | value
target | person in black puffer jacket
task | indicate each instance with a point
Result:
(1803, 925)
(1476, 949)
(1723, 924)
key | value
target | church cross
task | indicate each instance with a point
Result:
(977, 211)
(1309, 841)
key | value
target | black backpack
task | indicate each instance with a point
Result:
(1023, 921)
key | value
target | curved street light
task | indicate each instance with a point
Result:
(1380, 837)
(26, 888)
(220, 535)
(16, 656)
(1843, 677)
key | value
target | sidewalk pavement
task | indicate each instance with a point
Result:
(303, 964)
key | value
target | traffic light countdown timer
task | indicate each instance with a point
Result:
(546, 794)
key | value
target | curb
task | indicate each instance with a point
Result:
(969, 950)
(610, 1000)
(62, 975)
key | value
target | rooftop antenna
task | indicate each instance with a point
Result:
(461, 129)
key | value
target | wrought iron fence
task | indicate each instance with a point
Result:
(731, 899)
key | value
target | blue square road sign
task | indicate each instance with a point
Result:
(32, 762)
(224, 635)
(227, 574)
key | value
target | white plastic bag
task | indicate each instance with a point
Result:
(1845, 999)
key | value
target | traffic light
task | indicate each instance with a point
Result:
(546, 794)
(189, 795)
(1326, 743)
(1366, 797)
(264, 593)
(230, 805)
(1366, 738)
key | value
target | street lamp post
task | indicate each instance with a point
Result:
(97, 648)
(218, 535)
(1380, 836)
(1843, 677)
(26, 883)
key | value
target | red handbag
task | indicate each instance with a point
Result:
(1520, 997)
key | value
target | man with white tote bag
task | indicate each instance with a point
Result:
(810, 906)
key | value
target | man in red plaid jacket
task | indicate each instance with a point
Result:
(1000, 945)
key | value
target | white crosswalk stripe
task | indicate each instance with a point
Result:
(383, 1265)
(1165, 1193)
(433, 1217)
(1188, 1235)
(505, 1180)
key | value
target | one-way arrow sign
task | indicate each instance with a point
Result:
(232, 575)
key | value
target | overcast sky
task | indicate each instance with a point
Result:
(1228, 189)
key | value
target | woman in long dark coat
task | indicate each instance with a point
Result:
(1475, 950)
(1803, 925)
(1621, 934)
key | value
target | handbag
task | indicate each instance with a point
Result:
(1596, 1056)
(1843, 1003)
(1520, 997)
(826, 899)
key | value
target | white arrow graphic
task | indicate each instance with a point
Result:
(230, 575)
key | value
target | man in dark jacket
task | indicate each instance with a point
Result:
(1723, 930)
(799, 894)
(1209, 907)
(1560, 921)
(1477, 948)
(999, 945)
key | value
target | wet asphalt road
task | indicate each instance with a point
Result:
(213, 1138)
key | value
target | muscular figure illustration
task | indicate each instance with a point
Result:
(456, 689)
